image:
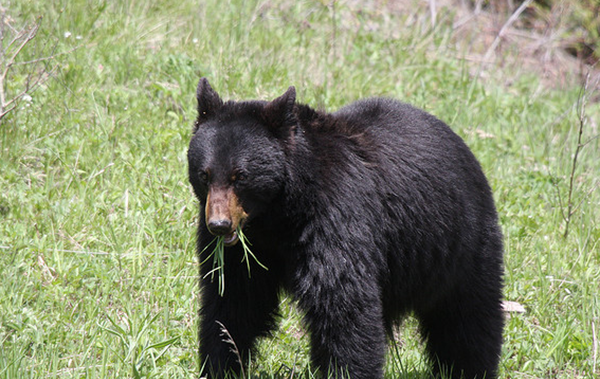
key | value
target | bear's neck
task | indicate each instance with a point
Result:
(308, 160)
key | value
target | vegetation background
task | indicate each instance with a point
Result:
(98, 277)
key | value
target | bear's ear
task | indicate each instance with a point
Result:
(279, 113)
(209, 101)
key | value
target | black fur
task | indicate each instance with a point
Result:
(363, 215)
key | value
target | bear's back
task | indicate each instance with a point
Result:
(418, 159)
(380, 116)
(404, 135)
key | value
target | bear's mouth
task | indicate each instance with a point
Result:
(231, 239)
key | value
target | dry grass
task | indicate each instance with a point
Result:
(517, 36)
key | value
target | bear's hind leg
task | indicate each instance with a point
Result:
(464, 333)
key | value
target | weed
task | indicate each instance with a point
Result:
(568, 208)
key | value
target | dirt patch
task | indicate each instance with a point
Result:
(514, 35)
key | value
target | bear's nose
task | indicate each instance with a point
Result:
(219, 227)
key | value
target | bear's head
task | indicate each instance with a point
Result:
(237, 157)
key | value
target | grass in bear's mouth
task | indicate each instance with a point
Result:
(218, 258)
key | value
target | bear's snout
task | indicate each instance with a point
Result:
(219, 227)
(224, 214)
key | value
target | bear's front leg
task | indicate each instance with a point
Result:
(343, 311)
(230, 324)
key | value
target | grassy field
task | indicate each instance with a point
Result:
(97, 220)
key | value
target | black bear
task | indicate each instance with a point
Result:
(362, 215)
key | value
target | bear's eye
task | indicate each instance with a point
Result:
(239, 177)
(204, 177)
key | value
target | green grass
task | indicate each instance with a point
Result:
(98, 276)
(217, 258)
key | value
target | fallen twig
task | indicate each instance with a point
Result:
(18, 40)
(504, 28)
